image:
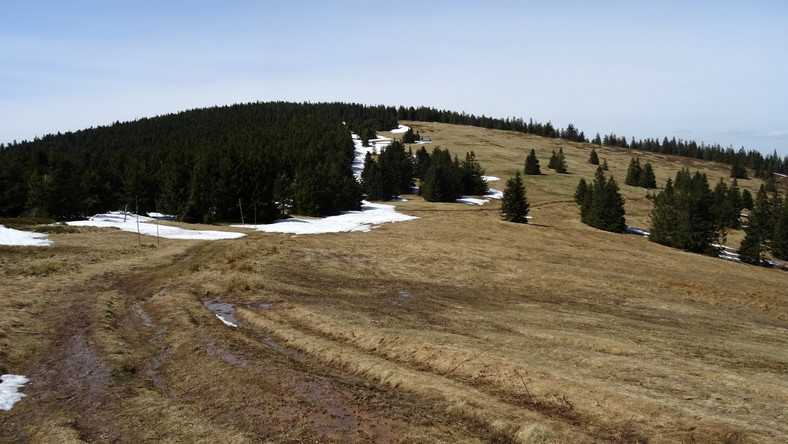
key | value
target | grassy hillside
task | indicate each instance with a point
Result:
(455, 327)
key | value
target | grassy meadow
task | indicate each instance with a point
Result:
(455, 327)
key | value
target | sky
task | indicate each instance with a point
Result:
(709, 71)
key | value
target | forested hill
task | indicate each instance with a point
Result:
(258, 158)
(203, 165)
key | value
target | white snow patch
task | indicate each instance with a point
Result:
(226, 322)
(9, 236)
(9, 390)
(491, 194)
(115, 219)
(161, 216)
(400, 129)
(727, 253)
(370, 216)
(495, 194)
(472, 200)
(375, 146)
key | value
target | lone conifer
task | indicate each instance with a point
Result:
(593, 159)
(532, 164)
(514, 204)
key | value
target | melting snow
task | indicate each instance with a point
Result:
(375, 146)
(370, 216)
(161, 216)
(400, 129)
(472, 200)
(492, 194)
(116, 219)
(9, 390)
(9, 236)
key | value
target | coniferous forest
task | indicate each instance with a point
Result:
(265, 160)
(204, 165)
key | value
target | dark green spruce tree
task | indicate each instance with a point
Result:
(779, 244)
(601, 203)
(532, 164)
(725, 204)
(665, 216)
(761, 225)
(553, 161)
(683, 215)
(583, 199)
(647, 177)
(593, 158)
(442, 181)
(738, 170)
(409, 136)
(746, 199)
(514, 204)
(634, 172)
(472, 174)
(560, 162)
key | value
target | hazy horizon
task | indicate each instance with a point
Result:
(707, 71)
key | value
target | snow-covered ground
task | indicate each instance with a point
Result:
(128, 222)
(400, 129)
(9, 390)
(375, 146)
(370, 216)
(9, 236)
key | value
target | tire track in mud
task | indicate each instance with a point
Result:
(507, 419)
(72, 374)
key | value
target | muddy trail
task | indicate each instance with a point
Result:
(335, 339)
(130, 360)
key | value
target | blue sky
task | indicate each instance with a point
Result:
(713, 72)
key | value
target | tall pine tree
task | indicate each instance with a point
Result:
(761, 227)
(514, 204)
(601, 203)
(779, 244)
(472, 173)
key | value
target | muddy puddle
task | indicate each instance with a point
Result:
(223, 310)
(290, 353)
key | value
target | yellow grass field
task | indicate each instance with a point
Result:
(454, 327)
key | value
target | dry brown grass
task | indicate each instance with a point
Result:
(455, 327)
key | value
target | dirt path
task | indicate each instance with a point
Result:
(131, 360)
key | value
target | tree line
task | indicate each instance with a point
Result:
(259, 159)
(763, 166)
